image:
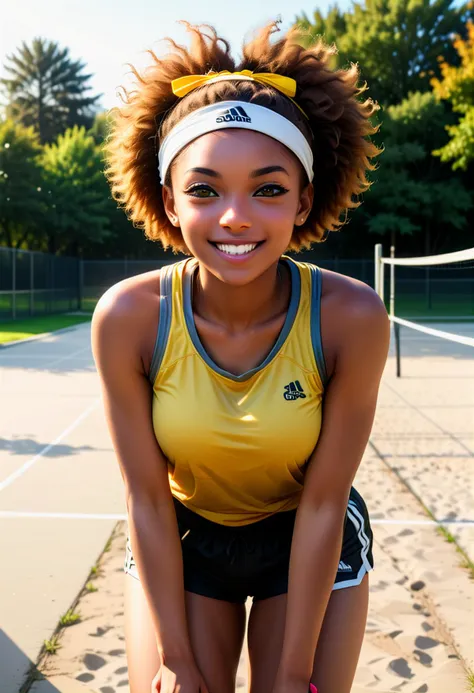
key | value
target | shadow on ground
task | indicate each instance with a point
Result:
(15, 667)
(28, 446)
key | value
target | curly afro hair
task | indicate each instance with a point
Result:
(337, 125)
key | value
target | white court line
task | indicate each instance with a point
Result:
(5, 514)
(10, 479)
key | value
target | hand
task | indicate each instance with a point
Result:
(179, 678)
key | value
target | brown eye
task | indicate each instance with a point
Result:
(271, 191)
(200, 190)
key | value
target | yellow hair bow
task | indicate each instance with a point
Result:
(183, 85)
(286, 85)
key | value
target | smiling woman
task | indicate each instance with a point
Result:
(240, 385)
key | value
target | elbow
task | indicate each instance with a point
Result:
(326, 513)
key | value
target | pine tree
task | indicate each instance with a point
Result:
(47, 89)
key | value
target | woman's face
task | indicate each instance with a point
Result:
(236, 196)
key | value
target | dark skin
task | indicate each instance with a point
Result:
(239, 310)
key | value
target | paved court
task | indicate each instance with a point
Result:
(424, 428)
(56, 457)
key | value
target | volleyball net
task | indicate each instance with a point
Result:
(458, 304)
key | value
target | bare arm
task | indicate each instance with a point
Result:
(121, 320)
(349, 410)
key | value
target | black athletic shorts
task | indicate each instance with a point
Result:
(233, 563)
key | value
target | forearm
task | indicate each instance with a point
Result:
(315, 554)
(157, 552)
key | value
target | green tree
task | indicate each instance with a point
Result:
(101, 127)
(412, 193)
(20, 183)
(457, 87)
(47, 89)
(78, 206)
(395, 42)
(331, 27)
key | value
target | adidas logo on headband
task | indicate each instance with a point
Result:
(234, 115)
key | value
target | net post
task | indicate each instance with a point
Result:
(392, 283)
(13, 254)
(377, 268)
(382, 280)
(32, 283)
(397, 348)
(81, 283)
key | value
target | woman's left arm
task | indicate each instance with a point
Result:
(348, 414)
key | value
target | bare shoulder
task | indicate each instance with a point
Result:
(126, 317)
(352, 298)
(352, 316)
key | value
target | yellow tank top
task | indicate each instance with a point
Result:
(237, 446)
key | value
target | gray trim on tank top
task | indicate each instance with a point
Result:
(316, 288)
(166, 286)
(285, 331)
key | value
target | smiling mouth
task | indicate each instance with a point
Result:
(236, 249)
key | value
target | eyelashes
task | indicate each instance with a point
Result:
(197, 188)
(204, 191)
(277, 190)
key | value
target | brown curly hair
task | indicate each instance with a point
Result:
(336, 126)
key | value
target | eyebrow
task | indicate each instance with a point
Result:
(266, 170)
(255, 174)
(205, 172)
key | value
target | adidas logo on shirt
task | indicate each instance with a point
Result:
(344, 566)
(232, 115)
(293, 391)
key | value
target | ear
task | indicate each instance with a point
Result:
(169, 205)
(305, 204)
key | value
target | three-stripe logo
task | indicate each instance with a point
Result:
(232, 115)
(293, 391)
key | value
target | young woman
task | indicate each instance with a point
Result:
(240, 385)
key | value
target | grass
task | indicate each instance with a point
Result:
(70, 618)
(53, 645)
(96, 571)
(88, 304)
(414, 307)
(465, 560)
(470, 681)
(21, 329)
(90, 587)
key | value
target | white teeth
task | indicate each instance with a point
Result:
(236, 249)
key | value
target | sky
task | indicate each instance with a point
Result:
(107, 34)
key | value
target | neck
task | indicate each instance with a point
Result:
(239, 307)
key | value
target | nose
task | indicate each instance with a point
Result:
(235, 218)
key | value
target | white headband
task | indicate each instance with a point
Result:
(234, 114)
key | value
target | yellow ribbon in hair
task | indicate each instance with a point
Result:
(183, 85)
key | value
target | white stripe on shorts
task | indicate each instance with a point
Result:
(354, 516)
(364, 539)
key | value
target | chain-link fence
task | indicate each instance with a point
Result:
(38, 283)
(424, 292)
(98, 275)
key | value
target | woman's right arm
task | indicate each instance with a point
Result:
(120, 330)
